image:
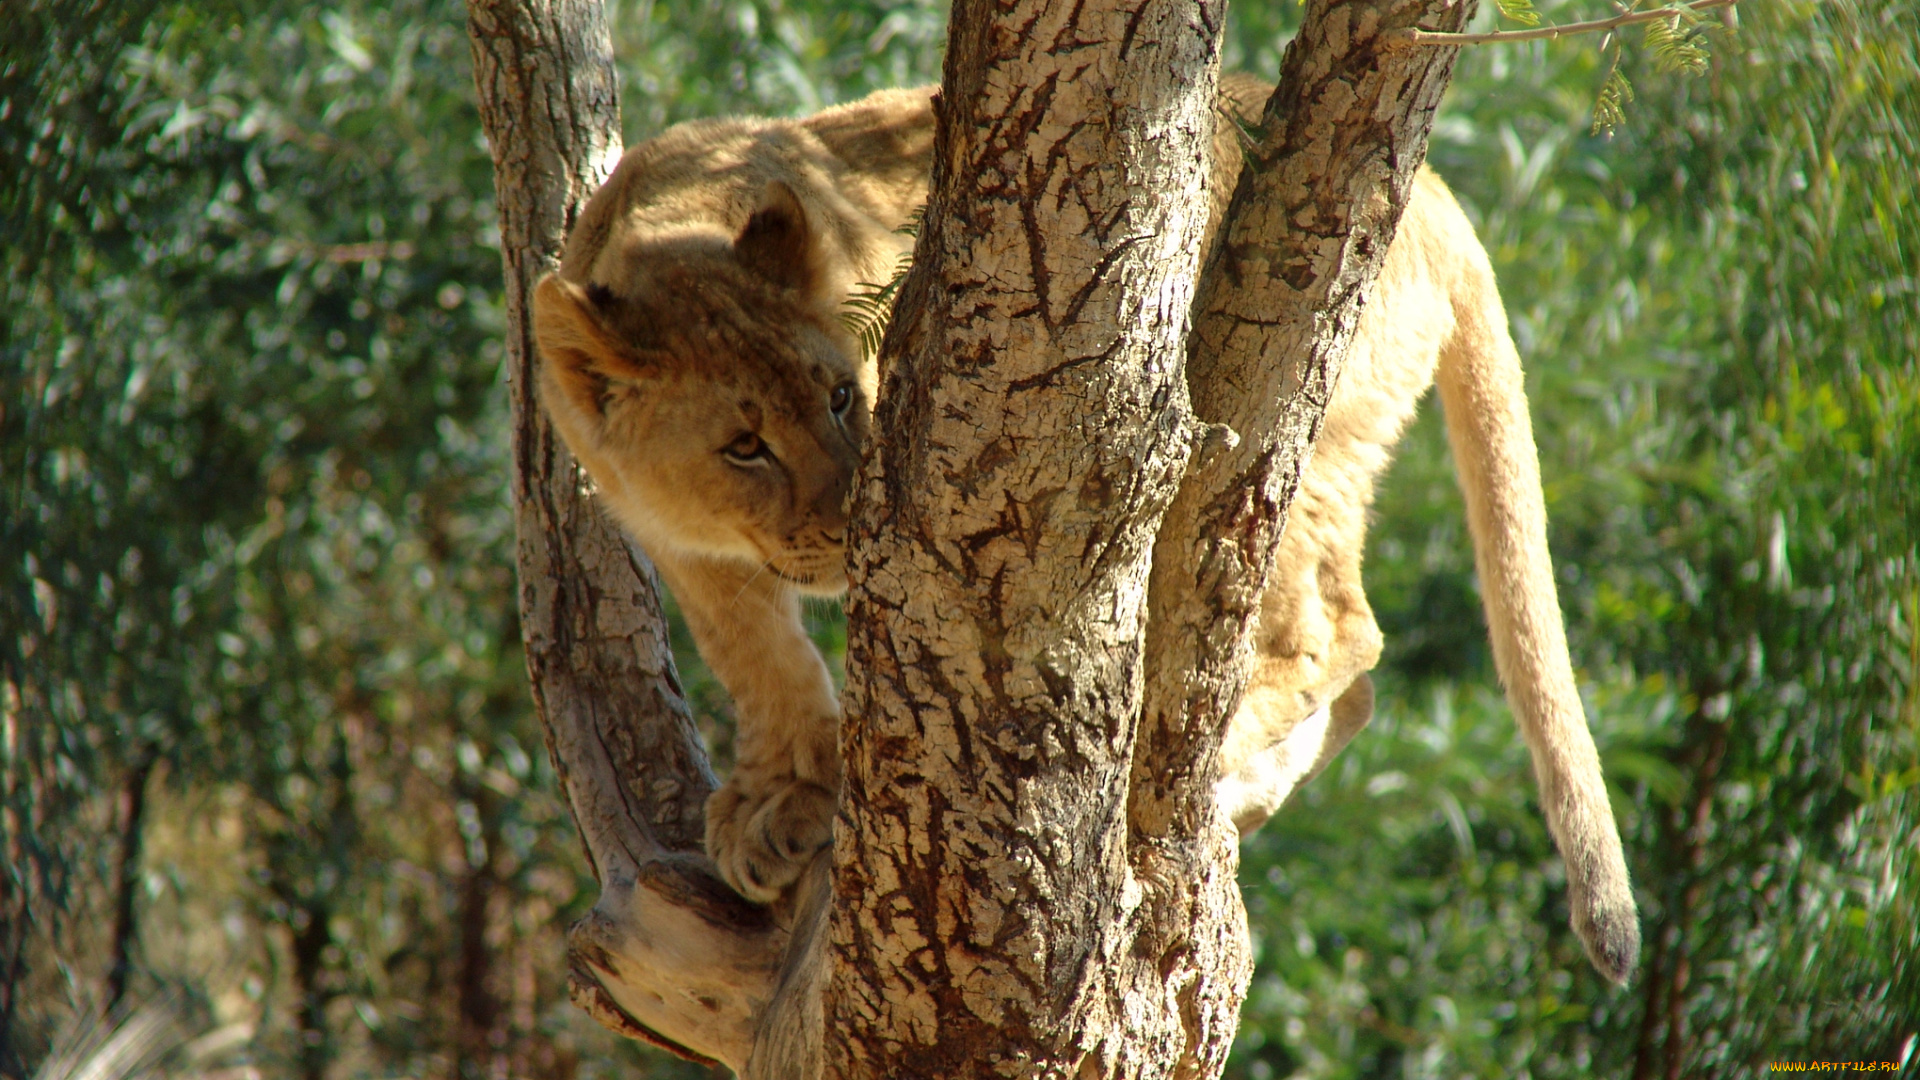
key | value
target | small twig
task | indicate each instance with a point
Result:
(367, 251)
(1416, 36)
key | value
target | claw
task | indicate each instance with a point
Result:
(762, 832)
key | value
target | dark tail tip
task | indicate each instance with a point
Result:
(1610, 932)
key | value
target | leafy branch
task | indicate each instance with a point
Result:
(870, 305)
(1672, 36)
(1523, 13)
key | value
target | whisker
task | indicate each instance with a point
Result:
(766, 564)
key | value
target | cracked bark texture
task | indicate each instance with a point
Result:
(1030, 432)
(1327, 174)
(1031, 878)
(668, 954)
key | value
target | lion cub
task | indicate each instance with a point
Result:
(695, 361)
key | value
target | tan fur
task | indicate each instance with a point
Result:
(698, 301)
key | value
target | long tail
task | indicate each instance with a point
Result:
(1487, 422)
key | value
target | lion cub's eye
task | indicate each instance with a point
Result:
(841, 397)
(745, 449)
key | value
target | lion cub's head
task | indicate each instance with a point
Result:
(711, 392)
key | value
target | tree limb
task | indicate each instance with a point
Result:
(1301, 242)
(668, 954)
(1296, 253)
(1026, 441)
(1417, 36)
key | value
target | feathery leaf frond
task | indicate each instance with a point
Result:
(1610, 111)
(1520, 11)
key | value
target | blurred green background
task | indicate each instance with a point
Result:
(268, 753)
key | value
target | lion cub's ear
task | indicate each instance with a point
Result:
(777, 242)
(582, 357)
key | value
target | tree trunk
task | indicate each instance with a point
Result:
(1062, 528)
(133, 833)
(1031, 877)
(630, 762)
(988, 919)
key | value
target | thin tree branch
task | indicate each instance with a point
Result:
(668, 954)
(1416, 36)
(133, 826)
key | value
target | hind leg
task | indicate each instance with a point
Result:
(1314, 644)
(1316, 633)
(1268, 776)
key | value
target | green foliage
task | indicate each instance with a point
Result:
(1409, 912)
(253, 464)
(1520, 11)
(684, 61)
(255, 529)
(870, 307)
(1610, 108)
(1717, 310)
(1674, 45)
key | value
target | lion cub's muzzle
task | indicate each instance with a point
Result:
(817, 564)
(812, 574)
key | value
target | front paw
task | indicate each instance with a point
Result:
(762, 831)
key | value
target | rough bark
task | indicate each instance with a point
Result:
(1327, 176)
(1029, 877)
(1326, 180)
(1029, 437)
(666, 941)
